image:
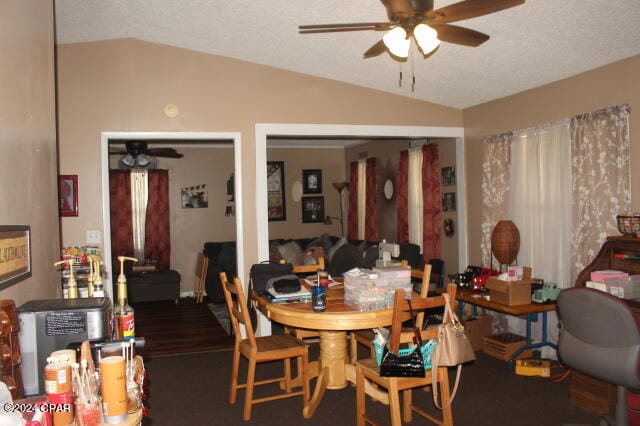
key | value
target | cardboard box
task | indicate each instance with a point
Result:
(502, 346)
(477, 328)
(511, 292)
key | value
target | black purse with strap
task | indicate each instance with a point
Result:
(411, 365)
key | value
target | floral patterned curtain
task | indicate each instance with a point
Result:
(495, 187)
(402, 200)
(431, 210)
(352, 213)
(120, 212)
(600, 180)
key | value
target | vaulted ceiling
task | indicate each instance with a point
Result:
(532, 44)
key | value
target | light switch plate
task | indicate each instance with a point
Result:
(93, 236)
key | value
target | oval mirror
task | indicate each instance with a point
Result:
(296, 191)
(388, 189)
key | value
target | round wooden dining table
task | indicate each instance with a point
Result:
(333, 368)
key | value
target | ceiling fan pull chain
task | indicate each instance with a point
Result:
(400, 74)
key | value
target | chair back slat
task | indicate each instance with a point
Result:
(237, 307)
(419, 305)
(301, 269)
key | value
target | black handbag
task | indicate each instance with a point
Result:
(411, 365)
(261, 273)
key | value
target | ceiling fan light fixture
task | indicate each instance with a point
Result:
(426, 37)
(143, 160)
(397, 42)
(128, 160)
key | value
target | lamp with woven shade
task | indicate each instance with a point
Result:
(505, 242)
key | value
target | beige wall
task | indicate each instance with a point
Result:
(331, 162)
(123, 85)
(28, 183)
(610, 85)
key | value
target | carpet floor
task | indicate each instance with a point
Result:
(194, 389)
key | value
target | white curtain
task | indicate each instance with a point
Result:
(415, 201)
(139, 198)
(540, 206)
(362, 197)
(540, 200)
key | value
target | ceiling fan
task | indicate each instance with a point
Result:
(137, 154)
(428, 27)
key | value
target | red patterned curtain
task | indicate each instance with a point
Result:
(120, 210)
(352, 214)
(371, 217)
(431, 202)
(402, 198)
(157, 245)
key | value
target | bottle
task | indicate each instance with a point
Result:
(98, 288)
(319, 292)
(72, 285)
(123, 313)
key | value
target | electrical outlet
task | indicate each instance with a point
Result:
(93, 236)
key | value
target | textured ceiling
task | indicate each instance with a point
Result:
(530, 45)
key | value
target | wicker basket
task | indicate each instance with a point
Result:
(629, 224)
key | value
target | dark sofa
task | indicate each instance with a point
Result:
(222, 258)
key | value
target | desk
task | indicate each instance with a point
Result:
(332, 369)
(531, 311)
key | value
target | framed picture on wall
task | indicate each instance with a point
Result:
(68, 195)
(449, 202)
(312, 209)
(448, 176)
(312, 181)
(275, 190)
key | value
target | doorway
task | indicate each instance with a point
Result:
(180, 140)
(270, 130)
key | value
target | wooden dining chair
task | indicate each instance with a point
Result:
(365, 337)
(260, 349)
(368, 369)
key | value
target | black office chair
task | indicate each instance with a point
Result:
(599, 336)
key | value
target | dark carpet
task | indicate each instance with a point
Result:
(194, 389)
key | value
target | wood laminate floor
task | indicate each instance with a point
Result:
(171, 329)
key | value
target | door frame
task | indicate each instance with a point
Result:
(182, 139)
(265, 130)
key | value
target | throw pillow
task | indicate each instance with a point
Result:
(291, 253)
(317, 252)
(274, 254)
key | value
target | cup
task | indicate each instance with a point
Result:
(88, 413)
(319, 298)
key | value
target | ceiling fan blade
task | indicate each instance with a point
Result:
(163, 152)
(459, 35)
(340, 30)
(375, 50)
(349, 25)
(470, 9)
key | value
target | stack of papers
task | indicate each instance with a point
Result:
(297, 296)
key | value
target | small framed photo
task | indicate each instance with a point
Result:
(312, 209)
(449, 202)
(448, 176)
(312, 181)
(68, 195)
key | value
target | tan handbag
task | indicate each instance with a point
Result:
(453, 349)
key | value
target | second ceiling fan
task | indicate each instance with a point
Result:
(428, 27)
